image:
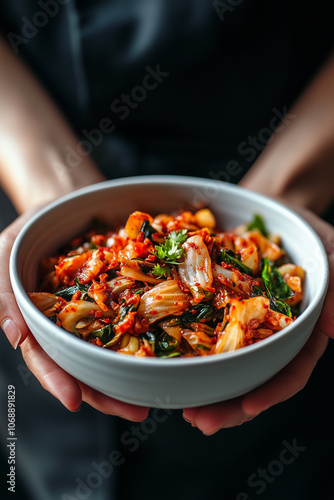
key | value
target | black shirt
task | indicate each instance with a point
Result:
(232, 67)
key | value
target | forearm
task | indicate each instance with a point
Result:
(35, 141)
(298, 162)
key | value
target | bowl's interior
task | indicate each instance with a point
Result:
(116, 200)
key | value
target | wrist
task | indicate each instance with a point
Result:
(35, 175)
(306, 184)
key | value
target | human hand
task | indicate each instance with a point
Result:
(35, 168)
(290, 380)
(69, 391)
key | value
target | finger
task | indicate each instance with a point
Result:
(322, 228)
(68, 390)
(189, 414)
(209, 419)
(326, 320)
(288, 381)
(11, 320)
(52, 378)
(111, 406)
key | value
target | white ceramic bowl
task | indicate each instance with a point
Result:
(173, 383)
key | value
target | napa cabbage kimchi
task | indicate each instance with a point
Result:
(172, 285)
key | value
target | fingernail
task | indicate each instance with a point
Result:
(210, 433)
(78, 409)
(12, 332)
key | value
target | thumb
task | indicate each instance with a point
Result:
(11, 320)
(326, 320)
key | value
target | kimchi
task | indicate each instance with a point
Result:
(172, 285)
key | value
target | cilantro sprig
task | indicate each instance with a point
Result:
(160, 271)
(169, 253)
(171, 250)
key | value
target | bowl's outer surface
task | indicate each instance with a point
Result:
(173, 383)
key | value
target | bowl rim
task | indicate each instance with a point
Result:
(105, 354)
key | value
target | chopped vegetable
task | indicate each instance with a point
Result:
(167, 347)
(135, 222)
(230, 258)
(163, 300)
(276, 288)
(195, 271)
(105, 334)
(172, 286)
(258, 223)
(148, 231)
(199, 312)
(67, 293)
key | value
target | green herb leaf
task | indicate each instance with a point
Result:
(147, 229)
(161, 271)
(171, 355)
(274, 281)
(295, 310)
(198, 313)
(67, 293)
(276, 288)
(150, 336)
(171, 250)
(167, 347)
(105, 334)
(178, 237)
(204, 347)
(124, 310)
(258, 223)
(231, 258)
(257, 292)
(280, 306)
